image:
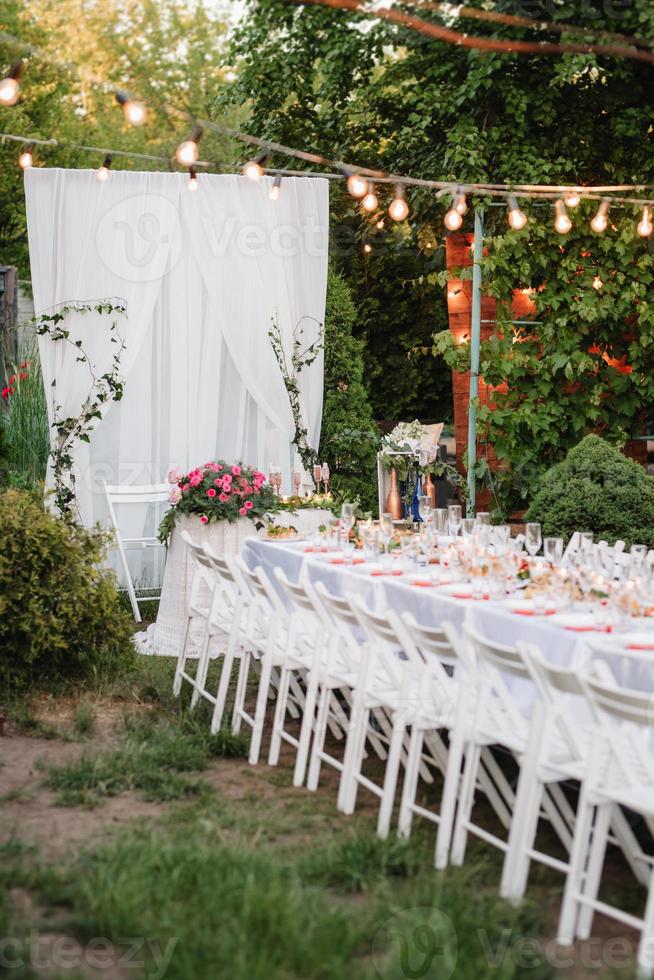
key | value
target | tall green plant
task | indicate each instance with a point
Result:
(24, 421)
(349, 437)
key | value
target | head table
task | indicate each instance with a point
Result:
(494, 619)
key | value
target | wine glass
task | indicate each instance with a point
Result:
(553, 550)
(454, 517)
(348, 516)
(467, 526)
(440, 518)
(424, 508)
(533, 538)
(386, 527)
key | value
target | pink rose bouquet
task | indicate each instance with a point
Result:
(218, 491)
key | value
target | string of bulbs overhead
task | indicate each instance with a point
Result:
(360, 181)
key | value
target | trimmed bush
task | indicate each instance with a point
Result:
(596, 489)
(60, 617)
(349, 437)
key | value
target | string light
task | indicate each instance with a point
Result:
(187, 152)
(600, 221)
(367, 248)
(370, 202)
(645, 226)
(562, 222)
(571, 199)
(357, 185)
(460, 203)
(399, 209)
(26, 158)
(102, 173)
(380, 225)
(454, 218)
(275, 190)
(254, 168)
(597, 283)
(517, 218)
(192, 179)
(9, 86)
(135, 112)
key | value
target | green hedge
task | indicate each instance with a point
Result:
(60, 617)
(596, 489)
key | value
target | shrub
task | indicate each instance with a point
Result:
(60, 617)
(24, 418)
(596, 489)
(350, 437)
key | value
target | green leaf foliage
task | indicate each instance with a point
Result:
(596, 489)
(60, 618)
(349, 437)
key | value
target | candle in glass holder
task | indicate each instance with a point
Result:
(317, 471)
(324, 472)
(297, 482)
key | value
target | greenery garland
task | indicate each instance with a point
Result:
(301, 357)
(105, 387)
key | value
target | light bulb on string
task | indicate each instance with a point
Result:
(135, 112)
(454, 217)
(600, 221)
(26, 158)
(367, 248)
(562, 222)
(10, 86)
(645, 226)
(460, 204)
(187, 152)
(399, 209)
(357, 186)
(276, 188)
(254, 168)
(380, 224)
(102, 173)
(370, 202)
(517, 218)
(192, 179)
(571, 199)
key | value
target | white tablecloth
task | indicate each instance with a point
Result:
(558, 645)
(165, 635)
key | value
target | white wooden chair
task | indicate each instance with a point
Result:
(156, 494)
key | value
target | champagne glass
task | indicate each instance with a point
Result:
(348, 516)
(553, 550)
(467, 526)
(441, 520)
(386, 527)
(533, 538)
(424, 508)
(454, 517)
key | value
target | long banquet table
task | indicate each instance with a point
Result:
(429, 606)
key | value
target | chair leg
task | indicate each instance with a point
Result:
(409, 789)
(241, 688)
(181, 659)
(279, 716)
(260, 709)
(646, 946)
(203, 667)
(515, 872)
(390, 777)
(574, 880)
(348, 788)
(460, 836)
(594, 869)
(318, 739)
(308, 722)
(448, 801)
(223, 684)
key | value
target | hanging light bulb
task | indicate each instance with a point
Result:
(380, 224)
(399, 209)
(600, 221)
(370, 202)
(453, 219)
(597, 283)
(562, 222)
(187, 152)
(460, 203)
(102, 173)
(357, 185)
(571, 199)
(254, 168)
(645, 226)
(135, 112)
(26, 158)
(275, 190)
(367, 248)
(517, 218)
(9, 86)
(192, 179)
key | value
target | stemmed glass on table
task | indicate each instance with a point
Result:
(386, 528)
(348, 518)
(424, 508)
(533, 538)
(455, 517)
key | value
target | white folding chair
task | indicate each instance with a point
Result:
(142, 496)
(198, 612)
(620, 772)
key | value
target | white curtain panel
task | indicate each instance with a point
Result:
(203, 275)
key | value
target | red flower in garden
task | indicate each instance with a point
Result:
(24, 364)
(23, 376)
(204, 519)
(218, 482)
(211, 492)
(248, 505)
(7, 391)
(242, 511)
(223, 497)
(236, 470)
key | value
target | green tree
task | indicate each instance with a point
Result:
(349, 437)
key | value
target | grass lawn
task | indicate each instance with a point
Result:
(133, 844)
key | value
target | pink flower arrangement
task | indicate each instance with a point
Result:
(218, 491)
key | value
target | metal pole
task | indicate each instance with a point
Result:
(475, 338)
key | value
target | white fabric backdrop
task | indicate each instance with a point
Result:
(203, 274)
